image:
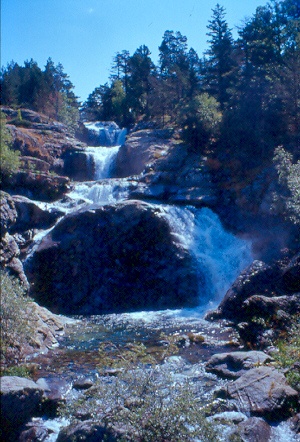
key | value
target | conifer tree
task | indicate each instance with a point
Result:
(219, 64)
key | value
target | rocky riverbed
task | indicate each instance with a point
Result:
(82, 256)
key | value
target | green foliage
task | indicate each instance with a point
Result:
(146, 404)
(201, 119)
(289, 180)
(22, 371)
(9, 158)
(288, 355)
(48, 91)
(15, 319)
(143, 401)
(132, 354)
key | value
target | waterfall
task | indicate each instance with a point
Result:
(101, 160)
(220, 255)
(103, 192)
(105, 133)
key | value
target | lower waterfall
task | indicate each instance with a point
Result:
(220, 255)
(101, 160)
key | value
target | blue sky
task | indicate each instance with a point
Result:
(84, 35)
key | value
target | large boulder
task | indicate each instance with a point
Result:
(248, 295)
(235, 364)
(257, 278)
(263, 392)
(39, 185)
(254, 429)
(113, 258)
(88, 431)
(31, 216)
(21, 399)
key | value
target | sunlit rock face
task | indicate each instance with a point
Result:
(113, 258)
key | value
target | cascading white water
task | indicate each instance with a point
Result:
(102, 158)
(105, 133)
(220, 255)
(103, 192)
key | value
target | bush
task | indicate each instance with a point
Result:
(288, 355)
(9, 159)
(146, 404)
(143, 401)
(15, 319)
(201, 119)
(289, 180)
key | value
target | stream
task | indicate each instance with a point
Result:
(221, 254)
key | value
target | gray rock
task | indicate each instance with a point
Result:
(21, 399)
(253, 429)
(113, 258)
(264, 307)
(34, 434)
(8, 213)
(235, 364)
(83, 384)
(258, 278)
(87, 431)
(31, 216)
(263, 392)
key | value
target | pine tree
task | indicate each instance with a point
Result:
(219, 64)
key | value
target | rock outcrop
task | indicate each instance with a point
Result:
(20, 219)
(42, 143)
(113, 258)
(168, 171)
(263, 392)
(235, 364)
(21, 399)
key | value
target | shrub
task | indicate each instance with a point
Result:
(15, 319)
(9, 159)
(146, 405)
(289, 181)
(288, 355)
(143, 401)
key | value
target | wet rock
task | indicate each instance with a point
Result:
(56, 390)
(257, 278)
(295, 423)
(87, 431)
(113, 258)
(41, 186)
(31, 216)
(290, 279)
(235, 364)
(262, 290)
(77, 166)
(35, 433)
(21, 399)
(264, 307)
(83, 384)
(263, 392)
(253, 429)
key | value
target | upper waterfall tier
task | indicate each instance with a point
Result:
(105, 133)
